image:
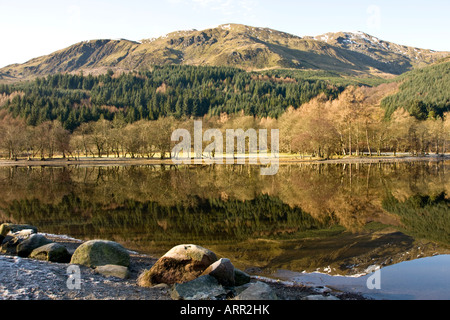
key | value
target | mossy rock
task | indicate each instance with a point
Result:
(96, 253)
(53, 252)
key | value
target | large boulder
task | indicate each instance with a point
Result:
(53, 252)
(96, 253)
(223, 271)
(181, 264)
(203, 288)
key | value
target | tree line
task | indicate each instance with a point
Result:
(133, 114)
(352, 124)
(356, 123)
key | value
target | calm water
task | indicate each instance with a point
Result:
(331, 223)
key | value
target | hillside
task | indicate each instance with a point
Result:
(233, 45)
(180, 91)
(423, 92)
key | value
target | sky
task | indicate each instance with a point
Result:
(30, 28)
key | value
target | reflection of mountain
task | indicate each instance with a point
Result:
(304, 218)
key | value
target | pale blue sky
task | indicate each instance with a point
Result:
(34, 28)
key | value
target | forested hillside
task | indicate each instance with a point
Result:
(179, 91)
(423, 92)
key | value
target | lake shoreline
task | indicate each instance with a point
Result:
(30, 279)
(61, 162)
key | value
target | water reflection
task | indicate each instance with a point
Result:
(334, 218)
(420, 279)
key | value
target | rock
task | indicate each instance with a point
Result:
(96, 253)
(16, 231)
(9, 245)
(34, 241)
(240, 277)
(53, 252)
(239, 289)
(223, 271)
(161, 286)
(181, 264)
(113, 271)
(257, 291)
(4, 240)
(319, 297)
(203, 288)
(13, 228)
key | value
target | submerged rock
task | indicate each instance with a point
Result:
(96, 253)
(181, 264)
(203, 288)
(53, 252)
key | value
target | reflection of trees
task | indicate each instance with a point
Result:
(423, 216)
(205, 219)
(348, 195)
(353, 194)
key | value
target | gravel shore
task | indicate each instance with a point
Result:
(29, 279)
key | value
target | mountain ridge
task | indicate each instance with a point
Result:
(235, 45)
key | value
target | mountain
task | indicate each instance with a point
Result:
(235, 45)
(397, 56)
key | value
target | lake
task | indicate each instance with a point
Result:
(317, 223)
